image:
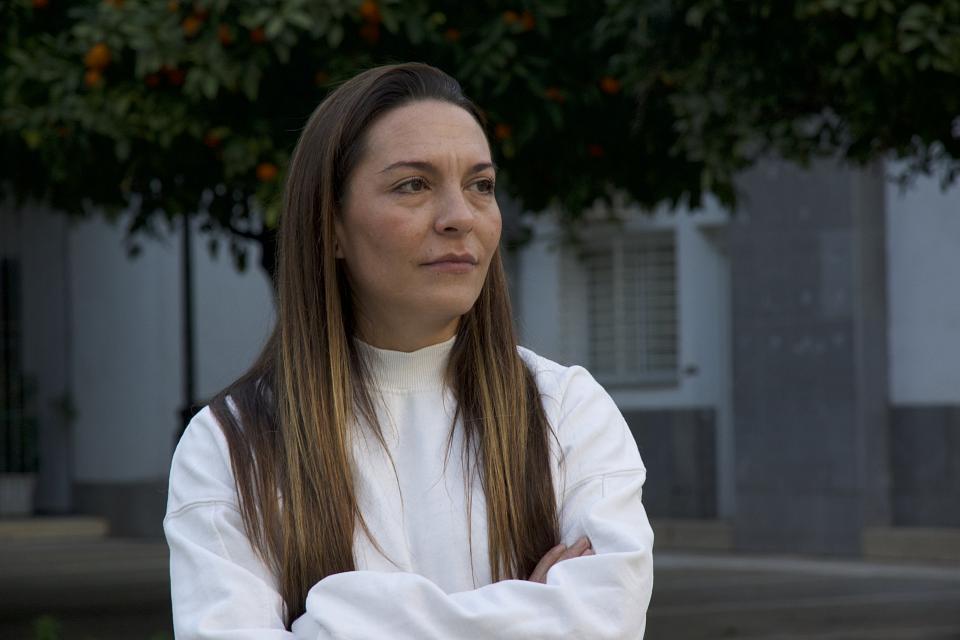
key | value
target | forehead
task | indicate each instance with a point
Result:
(426, 129)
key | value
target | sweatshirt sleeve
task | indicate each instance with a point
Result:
(601, 596)
(220, 588)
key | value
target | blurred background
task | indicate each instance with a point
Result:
(742, 217)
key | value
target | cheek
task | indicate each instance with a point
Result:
(381, 250)
(491, 232)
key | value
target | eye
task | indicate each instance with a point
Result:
(413, 185)
(484, 186)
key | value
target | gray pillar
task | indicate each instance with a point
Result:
(809, 358)
(38, 240)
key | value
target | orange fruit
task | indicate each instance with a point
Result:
(527, 21)
(258, 35)
(191, 25)
(266, 171)
(225, 34)
(610, 85)
(41, 4)
(369, 11)
(175, 76)
(554, 94)
(502, 131)
(212, 140)
(510, 17)
(97, 56)
(452, 35)
(92, 78)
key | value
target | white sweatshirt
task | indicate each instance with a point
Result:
(434, 587)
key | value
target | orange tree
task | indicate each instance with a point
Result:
(148, 110)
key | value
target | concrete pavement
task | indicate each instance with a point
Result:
(765, 598)
(92, 588)
(106, 589)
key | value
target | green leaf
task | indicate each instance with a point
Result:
(391, 20)
(414, 31)
(705, 87)
(871, 47)
(272, 215)
(210, 87)
(915, 17)
(848, 52)
(910, 42)
(250, 83)
(335, 35)
(46, 627)
(122, 149)
(274, 27)
(32, 137)
(695, 16)
(300, 19)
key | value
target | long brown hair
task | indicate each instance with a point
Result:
(288, 419)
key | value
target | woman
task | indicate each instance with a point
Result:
(393, 465)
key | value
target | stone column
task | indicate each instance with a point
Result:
(810, 372)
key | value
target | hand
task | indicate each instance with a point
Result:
(560, 552)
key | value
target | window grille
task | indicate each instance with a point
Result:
(632, 308)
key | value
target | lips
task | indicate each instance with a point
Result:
(456, 258)
(454, 264)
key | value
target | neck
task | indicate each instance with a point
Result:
(398, 335)
(418, 370)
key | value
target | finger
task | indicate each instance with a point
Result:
(549, 559)
(557, 554)
(540, 571)
(576, 549)
(569, 554)
(588, 552)
(551, 556)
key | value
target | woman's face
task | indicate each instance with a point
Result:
(419, 223)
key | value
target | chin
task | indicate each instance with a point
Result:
(451, 307)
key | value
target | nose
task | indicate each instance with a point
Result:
(456, 215)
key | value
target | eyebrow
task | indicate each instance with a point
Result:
(431, 168)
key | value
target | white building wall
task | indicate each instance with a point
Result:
(128, 344)
(703, 289)
(234, 314)
(538, 305)
(551, 327)
(38, 239)
(126, 364)
(923, 272)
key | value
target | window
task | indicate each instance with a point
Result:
(631, 307)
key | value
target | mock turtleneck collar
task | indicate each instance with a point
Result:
(414, 371)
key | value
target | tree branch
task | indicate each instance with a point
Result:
(249, 235)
